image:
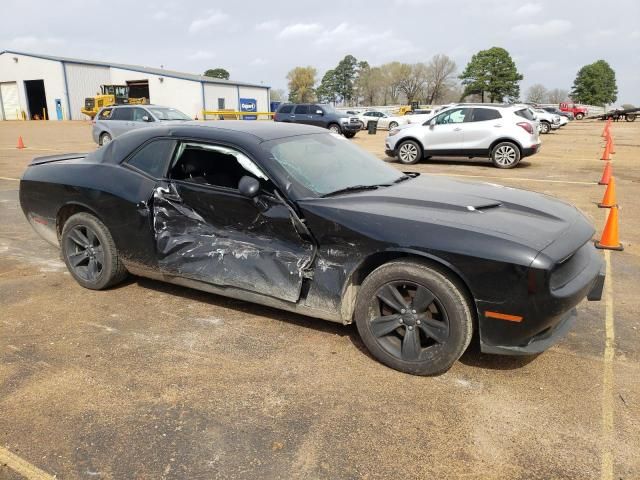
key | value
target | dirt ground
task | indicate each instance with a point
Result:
(150, 381)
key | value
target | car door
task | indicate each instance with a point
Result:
(301, 114)
(208, 231)
(121, 121)
(483, 127)
(444, 135)
(315, 118)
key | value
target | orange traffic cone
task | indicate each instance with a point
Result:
(605, 130)
(20, 143)
(606, 174)
(612, 148)
(606, 154)
(610, 237)
(609, 199)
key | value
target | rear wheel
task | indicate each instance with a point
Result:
(90, 252)
(413, 318)
(105, 138)
(545, 127)
(335, 128)
(505, 155)
(409, 152)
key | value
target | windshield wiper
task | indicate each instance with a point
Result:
(353, 188)
(402, 178)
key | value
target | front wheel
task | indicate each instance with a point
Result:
(393, 125)
(349, 134)
(90, 252)
(413, 318)
(579, 116)
(505, 155)
(335, 128)
(409, 152)
(545, 127)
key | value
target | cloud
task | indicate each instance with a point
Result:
(299, 29)
(258, 62)
(529, 9)
(31, 41)
(269, 25)
(550, 28)
(212, 18)
(541, 66)
(358, 36)
(160, 15)
(201, 55)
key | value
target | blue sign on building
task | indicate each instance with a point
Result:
(249, 105)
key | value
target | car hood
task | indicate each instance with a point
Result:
(531, 219)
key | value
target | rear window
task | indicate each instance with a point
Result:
(153, 158)
(302, 109)
(285, 109)
(105, 114)
(484, 114)
(525, 113)
(122, 114)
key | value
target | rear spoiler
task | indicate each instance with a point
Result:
(56, 158)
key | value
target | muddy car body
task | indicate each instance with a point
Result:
(270, 213)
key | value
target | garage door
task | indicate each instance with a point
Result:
(10, 104)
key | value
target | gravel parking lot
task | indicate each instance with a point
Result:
(151, 381)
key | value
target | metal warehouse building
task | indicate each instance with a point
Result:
(35, 85)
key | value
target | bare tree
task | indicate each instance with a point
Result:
(370, 84)
(537, 93)
(414, 79)
(392, 76)
(557, 95)
(301, 84)
(440, 77)
(277, 95)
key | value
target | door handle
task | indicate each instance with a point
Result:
(498, 125)
(457, 129)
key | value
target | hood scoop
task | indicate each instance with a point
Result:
(482, 208)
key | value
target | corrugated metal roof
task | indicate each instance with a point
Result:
(138, 68)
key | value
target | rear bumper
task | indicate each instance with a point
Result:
(532, 150)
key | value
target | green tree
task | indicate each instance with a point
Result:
(302, 81)
(595, 84)
(328, 89)
(493, 72)
(345, 75)
(217, 73)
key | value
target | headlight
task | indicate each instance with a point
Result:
(394, 131)
(344, 120)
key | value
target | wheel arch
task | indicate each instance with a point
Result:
(505, 139)
(68, 210)
(377, 259)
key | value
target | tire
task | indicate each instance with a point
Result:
(579, 116)
(393, 125)
(505, 155)
(409, 152)
(349, 134)
(86, 241)
(545, 127)
(334, 128)
(443, 320)
(105, 138)
(630, 117)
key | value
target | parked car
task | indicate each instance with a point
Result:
(110, 122)
(555, 110)
(578, 112)
(504, 133)
(320, 115)
(547, 121)
(384, 120)
(295, 218)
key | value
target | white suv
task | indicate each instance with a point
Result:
(504, 133)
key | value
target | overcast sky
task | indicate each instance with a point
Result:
(261, 41)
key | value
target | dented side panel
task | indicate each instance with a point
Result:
(228, 240)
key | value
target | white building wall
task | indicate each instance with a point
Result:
(84, 81)
(213, 91)
(260, 94)
(185, 95)
(31, 68)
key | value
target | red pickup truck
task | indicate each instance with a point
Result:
(578, 112)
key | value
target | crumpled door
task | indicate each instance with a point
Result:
(229, 240)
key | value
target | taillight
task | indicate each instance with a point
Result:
(527, 126)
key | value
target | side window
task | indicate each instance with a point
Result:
(484, 114)
(105, 114)
(125, 114)
(302, 109)
(456, 115)
(153, 158)
(215, 166)
(286, 109)
(314, 108)
(138, 113)
(221, 104)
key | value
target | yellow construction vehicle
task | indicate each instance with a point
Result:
(110, 95)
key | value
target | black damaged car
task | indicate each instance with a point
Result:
(300, 219)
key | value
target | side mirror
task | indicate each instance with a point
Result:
(432, 122)
(319, 112)
(146, 119)
(248, 186)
